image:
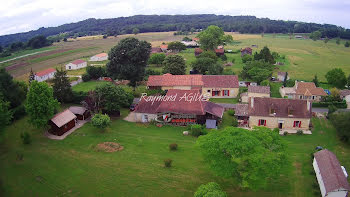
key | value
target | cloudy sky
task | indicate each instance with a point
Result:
(25, 15)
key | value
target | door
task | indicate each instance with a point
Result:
(280, 125)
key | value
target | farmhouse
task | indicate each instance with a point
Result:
(76, 64)
(45, 75)
(281, 76)
(246, 50)
(255, 91)
(62, 122)
(164, 47)
(215, 86)
(81, 112)
(288, 114)
(303, 90)
(179, 110)
(331, 176)
(99, 57)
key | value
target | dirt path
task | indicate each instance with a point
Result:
(19, 57)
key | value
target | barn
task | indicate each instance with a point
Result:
(99, 57)
(76, 64)
(45, 75)
(62, 122)
(81, 112)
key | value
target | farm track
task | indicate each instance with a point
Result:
(22, 56)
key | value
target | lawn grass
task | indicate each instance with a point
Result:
(225, 100)
(88, 86)
(274, 88)
(73, 167)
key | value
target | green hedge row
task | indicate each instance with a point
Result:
(326, 104)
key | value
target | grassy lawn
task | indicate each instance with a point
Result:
(88, 86)
(274, 88)
(73, 167)
(225, 100)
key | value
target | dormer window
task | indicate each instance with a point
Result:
(290, 111)
(272, 111)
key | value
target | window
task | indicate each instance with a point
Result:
(145, 118)
(208, 90)
(300, 97)
(290, 112)
(226, 92)
(216, 93)
(313, 97)
(69, 67)
(262, 122)
(297, 124)
(272, 111)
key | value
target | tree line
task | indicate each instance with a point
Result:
(180, 23)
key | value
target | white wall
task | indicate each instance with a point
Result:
(96, 59)
(45, 77)
(71, 66)
(319, 178)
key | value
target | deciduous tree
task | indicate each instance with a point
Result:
(341, 122)
(11, 90)
(157, 58)
(5, 113)
(41, 104)
(316, 35)
(176, 46)
(337, 78)
(257, 71)
(210, 189)
(100, 121)
(212, 37)
(174, 64)
(316, 82)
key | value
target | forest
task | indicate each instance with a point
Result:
(183, 23)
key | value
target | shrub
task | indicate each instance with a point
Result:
(173, 146)
(347, 44)
(231, 112)
(210, 189)
(276, 130)
(86, 77)
(265, 83)
(300, 132)
(234, 122)
(342, 104)
(285, 133)
(233, 60)
(247, 58)
(196, 130)
(25, 136)
(167, 163)
(95, 72)
(100, 120)
(223, 57)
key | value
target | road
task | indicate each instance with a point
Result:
(19, 57)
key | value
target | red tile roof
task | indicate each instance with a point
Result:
(164, 46)
(101, 55)
(309, 89)
(78, 61)
(195, 39)
(259, 89)
(331, 172)
(45, 72)
(220, 51)
(261, 107)
(215, 81)
(156, 50)
(344, 93)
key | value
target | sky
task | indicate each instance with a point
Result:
(25, 15)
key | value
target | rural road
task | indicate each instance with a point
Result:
(19, 57)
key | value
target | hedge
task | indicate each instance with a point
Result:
(326, 104)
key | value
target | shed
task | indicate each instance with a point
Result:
(330, 175)
(45, 75)
(81, 112)
(62, 122)
(76, 64)
(210, 124)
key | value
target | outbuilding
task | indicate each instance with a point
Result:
(45, 75)
(81, 112)
(99, 57)
(331, 176)
(62, 122)
(76, 64)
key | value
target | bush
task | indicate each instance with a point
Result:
(285, 133)
(95, 72)
(196, 130)
(100, 121)
(210, 189)
(167, 163)
(231, 112)
(234, 122)
(78, 97)
(300, 132)
(19, 112)
(233, 60)
(223, 57)
(342, 104)
(25, 136)
(347, 44)
(276, 130)
(86, 77)
(247, 58)
(265, 83)
(173, 146)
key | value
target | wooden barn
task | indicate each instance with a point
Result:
(62, 122)
(81, 112)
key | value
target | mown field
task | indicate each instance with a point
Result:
(73, 167)
(305, 58)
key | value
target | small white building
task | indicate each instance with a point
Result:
(331, 177)
(76, 64)
(45, 75)
(247, 83)
(99, 57)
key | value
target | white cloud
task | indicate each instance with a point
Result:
(24, 15)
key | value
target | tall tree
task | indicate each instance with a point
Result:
(341, 122)
(212, 37)
(5, 113)
(40, 104)
(285, 79)
(174, 64)
(315, 80)
(265, 54)
(62, 89)
(157, 59)
(252, 158)
(257, 71)
(11, 90)
(176, 46)
(336, 77)
(31, 76)
(135, 31)
(316, 35)
(38, 42)
(128, 60)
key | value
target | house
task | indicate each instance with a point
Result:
(164, 47)
(218, 52)
(76, 64)
(247, 83)
(62, 122)
(345, 95)
(196, 39)
(80, 112)
(45, 75)
(99, 57)
(246, 50)
(288, 114)
(255, 91)
(190, 44)
(281, 76)
(298, 37)
(303, 90)
(174, 108)
(156, 50)
(215, 86)
(331, 176)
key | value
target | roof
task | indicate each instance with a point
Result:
(308, 89)
(222, 50)
(195, 39)
(288, 90)
(63, 118)
(261, 107)
(241, 109)
(217, 81)
(198, 51)
(259, 89)
(344, 93)
(330, 170)
(147, 107)
(281, 74)
(79, 61)
(45, 72)
(77, 110)
(156, 50)
(247, 49)
(101, 55)
(214, 109)
(164, 46)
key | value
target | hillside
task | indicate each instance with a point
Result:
(165, 23)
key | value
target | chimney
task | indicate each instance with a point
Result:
(308, 105)
(251, 102)
(296, 84)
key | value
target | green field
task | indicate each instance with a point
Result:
(88, 86)
(25, 52)
(73, 167)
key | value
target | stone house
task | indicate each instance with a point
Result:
(304, 91)
(288, 114)
(214, 86)
(255, 91)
